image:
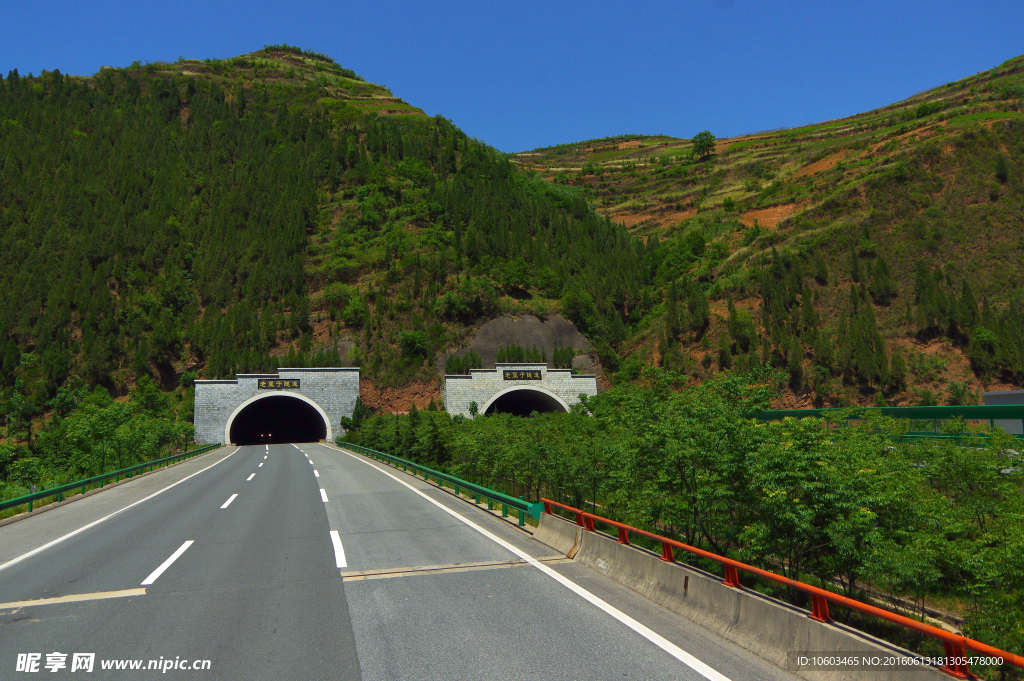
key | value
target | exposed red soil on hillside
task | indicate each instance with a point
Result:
(387, 400)
(773, 215)
(658, 219)
(820, 166)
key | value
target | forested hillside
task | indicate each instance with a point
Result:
(202, 219)
(207, 218)
(876, 257)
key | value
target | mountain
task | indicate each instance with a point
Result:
(207, 218)
(896, 232)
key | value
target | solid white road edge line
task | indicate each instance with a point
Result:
(106, 517)
(339, 550)
(167, 563)
(658, 640)
(228, 502)
(251, 476)
(316, 472)
(323, 494)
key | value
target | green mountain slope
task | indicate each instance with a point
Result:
(207, 218)
(915, 207)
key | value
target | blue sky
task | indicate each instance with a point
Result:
(520, 75)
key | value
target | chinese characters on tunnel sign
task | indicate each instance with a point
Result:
(278, 383)
(517, 375)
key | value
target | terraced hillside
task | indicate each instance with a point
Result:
(908, 204)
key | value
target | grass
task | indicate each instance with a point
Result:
(984, 116)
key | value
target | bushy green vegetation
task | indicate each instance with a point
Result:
(849, 508)
(88, 434)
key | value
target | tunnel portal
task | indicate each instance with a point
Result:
(277, 419)
(523, 402)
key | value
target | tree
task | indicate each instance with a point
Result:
(703, 144)
(724, 352)
(883, 288)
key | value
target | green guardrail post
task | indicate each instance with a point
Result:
(477, 498)
(522, 517)
(504, 510)
(489, 504)
(83, 489)
(60, 496)
(457, 493)
(30, 507)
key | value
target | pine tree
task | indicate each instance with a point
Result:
(897, 371)
(820, 268)
(794, 364)
(724, 352)
(672, 325)
(883, 288)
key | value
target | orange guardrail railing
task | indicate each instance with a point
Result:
(956, 645)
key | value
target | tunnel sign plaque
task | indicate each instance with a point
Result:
(278, 383)
(520, 375)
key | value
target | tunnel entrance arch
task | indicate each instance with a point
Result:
(515, 387)
(277, 416)
(521, 400)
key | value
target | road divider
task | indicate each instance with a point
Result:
(228, 502)
(155, 574)
(955, 645)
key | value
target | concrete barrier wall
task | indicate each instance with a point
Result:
(765, 626)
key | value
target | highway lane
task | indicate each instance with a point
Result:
(257, 593)
(265, 592)
(467, 620)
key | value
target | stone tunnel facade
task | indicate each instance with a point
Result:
(331, 391)
(485, 386)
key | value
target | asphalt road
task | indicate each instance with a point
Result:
(308, 562)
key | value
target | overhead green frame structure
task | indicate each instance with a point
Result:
(1009, 417)
(985, 412)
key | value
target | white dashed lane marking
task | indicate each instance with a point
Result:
(228, 502)
(323, 494)
(251, 476)
(339, 550)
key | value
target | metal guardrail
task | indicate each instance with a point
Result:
(479, 491)
(116, 475)
(955, 645)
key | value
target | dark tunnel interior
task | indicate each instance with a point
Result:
(524, 402)
(278, 419)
